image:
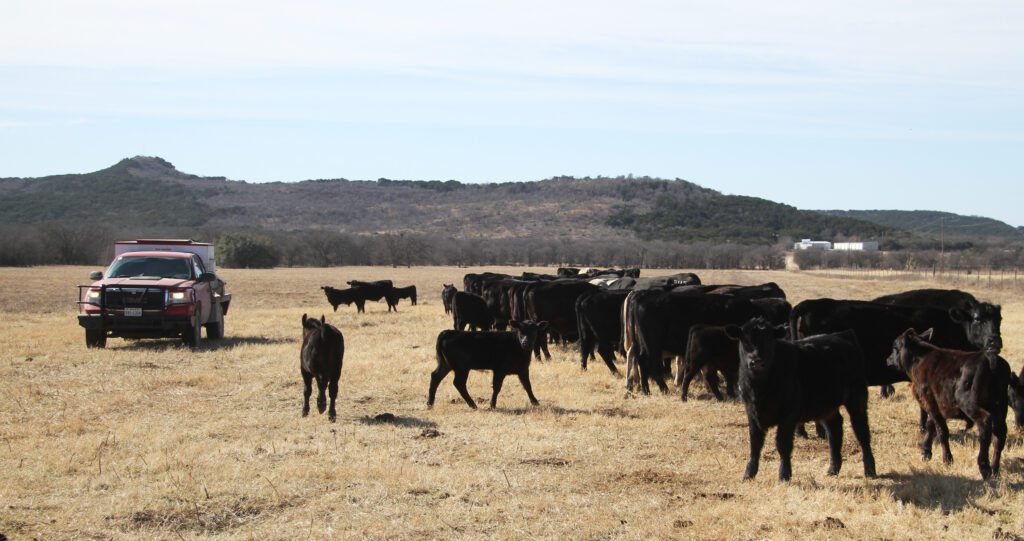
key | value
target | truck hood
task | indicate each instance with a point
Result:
(149, 282)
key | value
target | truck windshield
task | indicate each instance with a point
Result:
(151, 267)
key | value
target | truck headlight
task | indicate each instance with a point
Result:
(180, 296)
(94, 295)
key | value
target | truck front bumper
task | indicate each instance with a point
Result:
(135, 327)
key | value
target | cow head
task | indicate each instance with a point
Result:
(528, 332)
(757, 339)
(905, 348)
(1016, 391)
(982, 324)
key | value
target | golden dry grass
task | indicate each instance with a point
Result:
(149, 440)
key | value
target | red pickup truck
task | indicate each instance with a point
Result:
(155, 289)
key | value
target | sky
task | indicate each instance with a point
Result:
(819, 104)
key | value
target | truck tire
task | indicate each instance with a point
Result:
(193, 331)
(215, 328)
(95, 338)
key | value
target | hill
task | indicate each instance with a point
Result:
(147, 192)
(935, 223)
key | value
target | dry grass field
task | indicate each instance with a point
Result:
(149, 440)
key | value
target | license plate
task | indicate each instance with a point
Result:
(133, 312)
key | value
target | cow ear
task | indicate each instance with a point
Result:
(323, 320)
(927, 335)
(734, 332)
(303, 320)
(959, 315)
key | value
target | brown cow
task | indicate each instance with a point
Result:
(950, 383)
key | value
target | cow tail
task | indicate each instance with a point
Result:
(586, 338)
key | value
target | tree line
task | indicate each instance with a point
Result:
(92, 244)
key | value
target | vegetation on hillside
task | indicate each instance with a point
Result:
(935, 223)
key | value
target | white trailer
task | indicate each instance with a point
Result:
(202, 249)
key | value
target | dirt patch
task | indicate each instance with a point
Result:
(204, 517)
(830, 523)
(651, 477)
(723, 496)
(549, 461)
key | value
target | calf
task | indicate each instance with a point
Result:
(956, 384)
(398, 293)
(503, 353)
(323, 348)
(375, 291)
(709, 350)
(447, 295)
(348, 296)
(785, 383)
(471, 310)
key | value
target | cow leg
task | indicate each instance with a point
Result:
(943, 430)
(461, 376)
(923, 421)
(834, 431)
(819, 430)
(929, 438)
(658, 372)
(984, 423)
(307, 391)
(999, 432)
(524, 378)
(544, 348)
(608, 356)
(858, 413)
(784, 445)
(886, 391)
(321, 397)
(711, 380)
(756, 444)
(644, 370)
(332, 389)
(731, 378)
(801, 431)
(435, 379)
(360, 307)
(689, 371)
(499, 378)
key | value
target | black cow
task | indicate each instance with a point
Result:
(1017, 398)
(876, 326)
(323, 350)
(375, 291)
(662, 323)
(953, 384)
(495, 293)
(347, 296)
(447, 295)
(981, 319)
(709, 351)
(598, 321)
(555, 303)
(775, 310)
(785, 383)
(567, 272)
(665, 282)
(469, 309)
(398, 293)
(503, 353)
(473, 282)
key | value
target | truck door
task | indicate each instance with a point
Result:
(204, 296)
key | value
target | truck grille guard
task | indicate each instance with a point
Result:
(121, 297)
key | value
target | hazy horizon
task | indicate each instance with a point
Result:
(817, 105)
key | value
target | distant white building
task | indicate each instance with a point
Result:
(808, 244)
(856, 246)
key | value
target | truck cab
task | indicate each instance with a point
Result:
(155, 289)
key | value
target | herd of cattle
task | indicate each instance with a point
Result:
(790, 365)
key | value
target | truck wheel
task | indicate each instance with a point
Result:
(193, 332)
(95, 338)
(215, 328)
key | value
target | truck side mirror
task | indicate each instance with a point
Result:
(207, 277)
(96, 275)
